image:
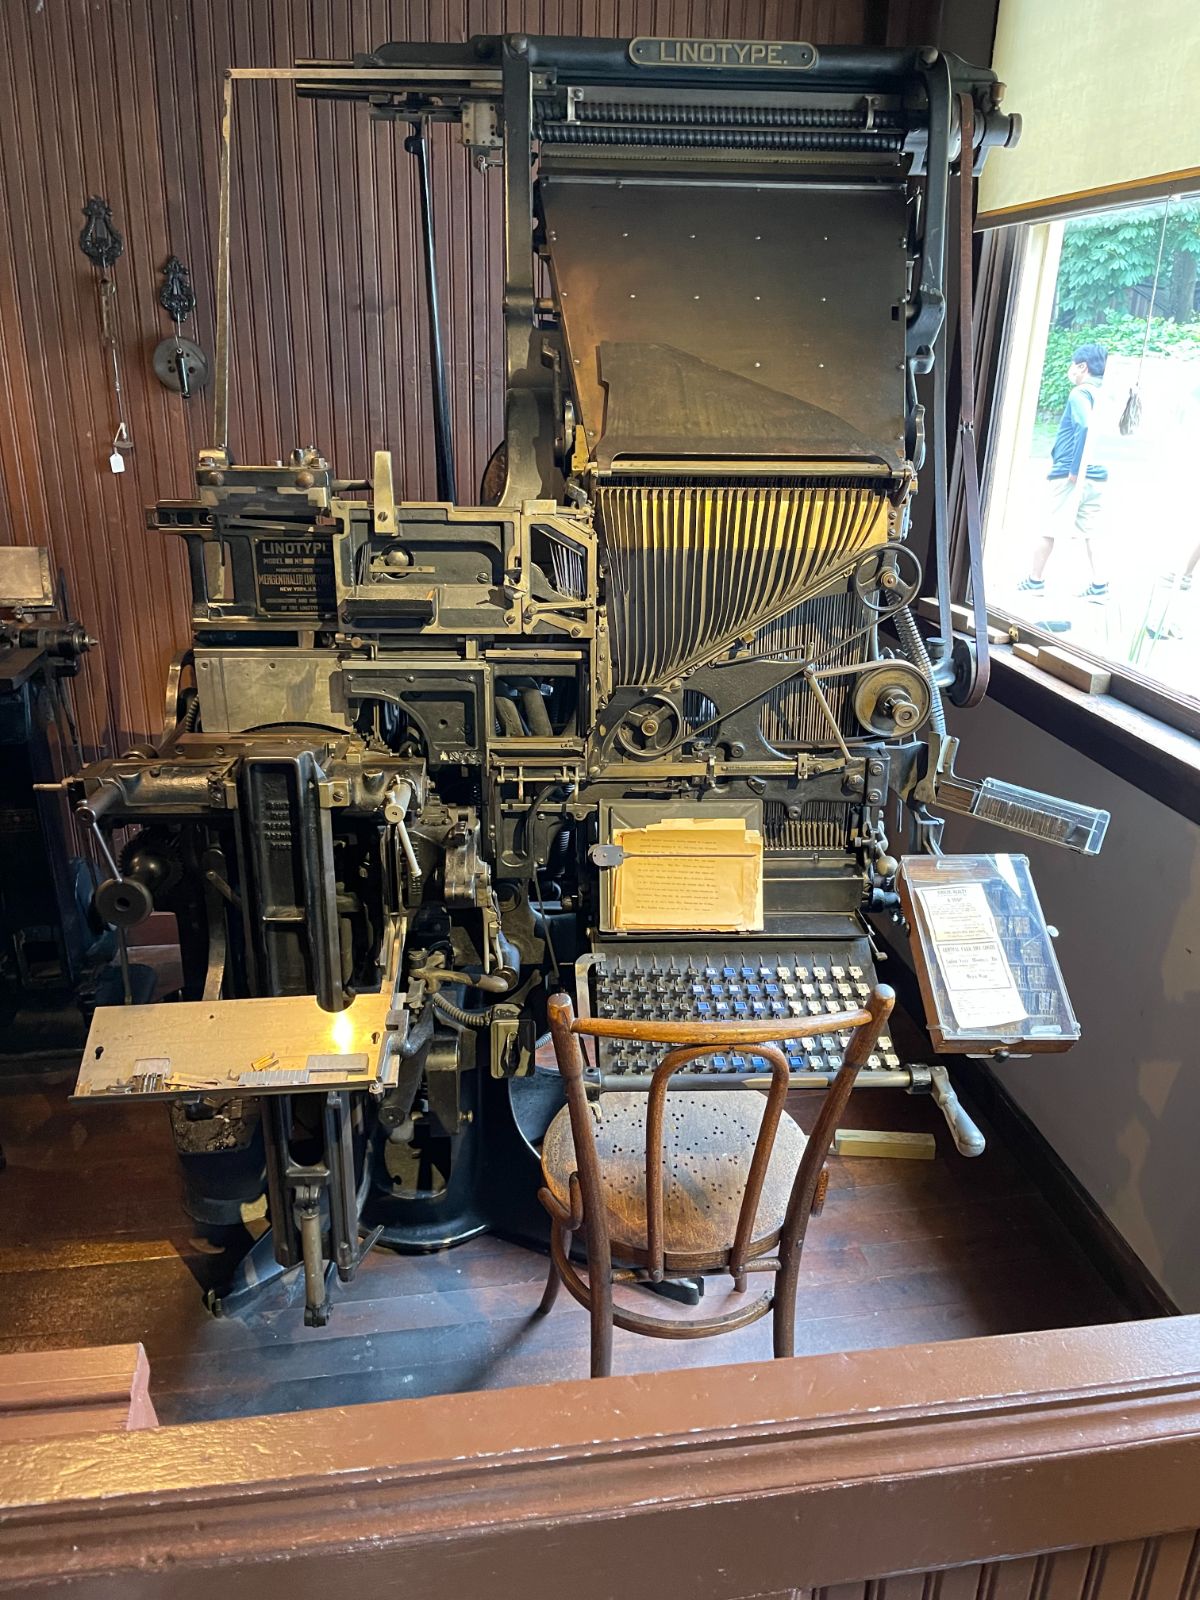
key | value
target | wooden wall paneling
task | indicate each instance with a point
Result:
(1060, 1465)
(330, 341)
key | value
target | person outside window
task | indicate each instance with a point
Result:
(1073, 506)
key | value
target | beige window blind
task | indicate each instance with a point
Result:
(1109, 95)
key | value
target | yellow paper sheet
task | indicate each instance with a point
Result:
(689, 872)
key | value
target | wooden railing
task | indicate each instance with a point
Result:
(1044, 1466)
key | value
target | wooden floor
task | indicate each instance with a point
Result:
(95, 1249)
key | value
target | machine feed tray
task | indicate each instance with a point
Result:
(275, 1045)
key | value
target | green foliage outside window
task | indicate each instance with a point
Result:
(1105, 278)
(1106, 256)
(1119, 336)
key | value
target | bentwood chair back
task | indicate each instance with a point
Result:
(692, 1182)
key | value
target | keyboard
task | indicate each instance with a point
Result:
(742, 983)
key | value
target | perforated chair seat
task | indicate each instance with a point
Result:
(708, 1144)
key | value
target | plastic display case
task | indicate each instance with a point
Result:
(984, 956)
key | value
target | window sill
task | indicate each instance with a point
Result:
(1151, 755)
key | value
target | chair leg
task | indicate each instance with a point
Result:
(783, 1313)
(601, 1297)
(550, 1293)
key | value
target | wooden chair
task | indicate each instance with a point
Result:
(722, 1181)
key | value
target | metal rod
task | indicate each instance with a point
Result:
(518, 215)
(123, 957)
(443, 440)
(639, 1082)
(810, 678)
(221, 355)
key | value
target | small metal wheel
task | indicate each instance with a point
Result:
(887, 578)
(180, 365)
(654, 726)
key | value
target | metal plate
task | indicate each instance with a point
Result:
(732, 316)
(242, 689)
(233, 1047)
(735, 54)
(25, 577)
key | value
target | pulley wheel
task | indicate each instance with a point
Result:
(892, 699)
(653, 727)
(172, 354)
(887, 578)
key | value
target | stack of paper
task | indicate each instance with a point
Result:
(966, 942)
(689, 872)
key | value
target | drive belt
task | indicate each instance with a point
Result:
(975, 679)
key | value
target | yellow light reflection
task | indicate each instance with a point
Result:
(341, 1031)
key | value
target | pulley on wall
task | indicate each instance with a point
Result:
(179, 363)
(103, 245)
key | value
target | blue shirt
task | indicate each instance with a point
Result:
(1067, 451)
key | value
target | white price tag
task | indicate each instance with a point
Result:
(116, 461)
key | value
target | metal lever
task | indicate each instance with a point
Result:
(968, 1140)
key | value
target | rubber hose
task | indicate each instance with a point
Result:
(465, 1019)
(914, 648)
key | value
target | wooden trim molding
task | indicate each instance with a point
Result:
(1107, 194)
(1140, 748)
(45, 1392)
(763, 1479)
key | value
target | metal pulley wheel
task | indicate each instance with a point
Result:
(180, 365)
(892, 699)
(653, 727)
(887, 578)
(965, 688)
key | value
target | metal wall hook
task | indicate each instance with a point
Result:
(179, 363)
(176, 297)
(99, 239)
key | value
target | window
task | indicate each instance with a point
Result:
(1092, 522)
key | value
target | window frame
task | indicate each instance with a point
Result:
(1129, 685)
